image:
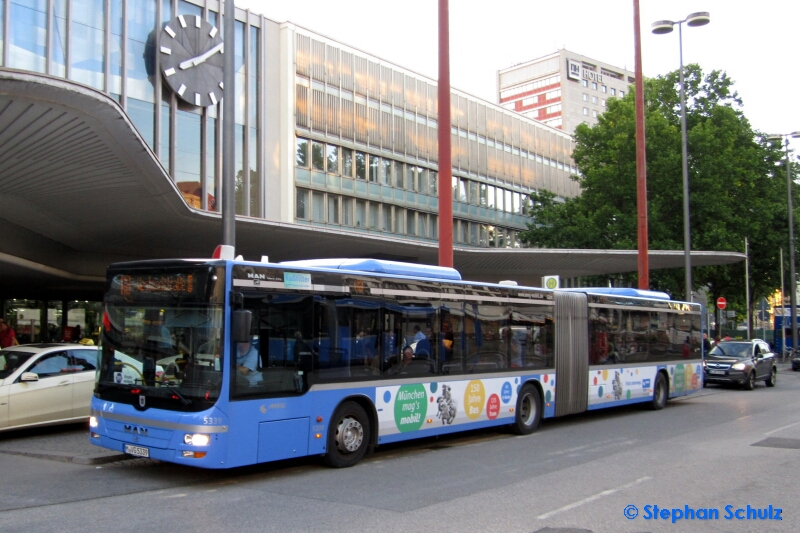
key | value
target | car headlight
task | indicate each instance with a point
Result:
(738, 366)
(197, 439)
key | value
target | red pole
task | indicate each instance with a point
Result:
(445, 157)
(641, 158)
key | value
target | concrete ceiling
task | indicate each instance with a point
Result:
(81, 189)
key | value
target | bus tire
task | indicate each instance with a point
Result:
(348, 436)
(528, 412)
(660, 393)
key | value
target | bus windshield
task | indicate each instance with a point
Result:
(160, 353)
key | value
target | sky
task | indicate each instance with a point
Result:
(751, 41)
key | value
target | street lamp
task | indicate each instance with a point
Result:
(700, 18)
(792, 275)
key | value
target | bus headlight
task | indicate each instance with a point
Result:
(92, 421)
(197, 439)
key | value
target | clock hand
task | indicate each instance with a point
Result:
(201, 58)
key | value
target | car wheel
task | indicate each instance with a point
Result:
(348, 436)
(660, 393)
(529, 411)
(773, 376)
(750, 383)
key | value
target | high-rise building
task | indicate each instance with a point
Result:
(562, 89)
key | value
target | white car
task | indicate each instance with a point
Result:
(45, 384)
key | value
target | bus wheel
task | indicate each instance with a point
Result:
(348, 436)
(659, 393)
(529, 411)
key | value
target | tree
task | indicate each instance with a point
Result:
(736, 190)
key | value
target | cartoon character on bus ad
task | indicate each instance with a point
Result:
(617, 384)
(447, 406)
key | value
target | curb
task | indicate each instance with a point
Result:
(67, 457)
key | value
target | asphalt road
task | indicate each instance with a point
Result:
(713, 449)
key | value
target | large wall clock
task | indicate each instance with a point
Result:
(191, 60)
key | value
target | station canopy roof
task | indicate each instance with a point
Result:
(81, 189)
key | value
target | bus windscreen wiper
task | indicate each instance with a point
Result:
(184, 400)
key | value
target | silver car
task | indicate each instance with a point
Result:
(45, 384)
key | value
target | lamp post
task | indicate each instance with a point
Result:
(700, 18)
(792, 275)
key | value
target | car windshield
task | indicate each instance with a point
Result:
(731, 349)
(11, 360)
(169, 353)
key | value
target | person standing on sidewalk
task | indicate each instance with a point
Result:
(7, 335)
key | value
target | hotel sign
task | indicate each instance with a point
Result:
(575, 71)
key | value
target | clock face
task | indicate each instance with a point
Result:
(191, 60)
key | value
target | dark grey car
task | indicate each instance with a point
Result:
(740, 362)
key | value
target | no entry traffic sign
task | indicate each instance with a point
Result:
(721, 303)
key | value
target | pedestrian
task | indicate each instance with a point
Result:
(706, 343)
(7, 335)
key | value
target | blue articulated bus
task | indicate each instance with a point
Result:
(222, 363)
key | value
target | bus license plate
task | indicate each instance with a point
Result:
(138, 451)
(717, 372)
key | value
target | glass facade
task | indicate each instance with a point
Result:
(378, 126)
(88, 30)
(110, 45)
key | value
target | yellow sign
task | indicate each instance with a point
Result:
(551, 282)
(474, 399)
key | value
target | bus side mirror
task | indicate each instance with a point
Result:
(240, 325)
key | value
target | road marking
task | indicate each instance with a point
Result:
(781, 429)
(592, 498)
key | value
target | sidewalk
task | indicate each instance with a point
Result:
(69, 444)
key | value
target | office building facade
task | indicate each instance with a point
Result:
(562, 89)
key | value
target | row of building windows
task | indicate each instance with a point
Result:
(389, 128)
(533, 100)
(340, 210)
(346, 162)
(602, 88)
(538, 84)
(525, 154)
(327, 64)
(595, 100)
(349, 163)
(344, 95)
